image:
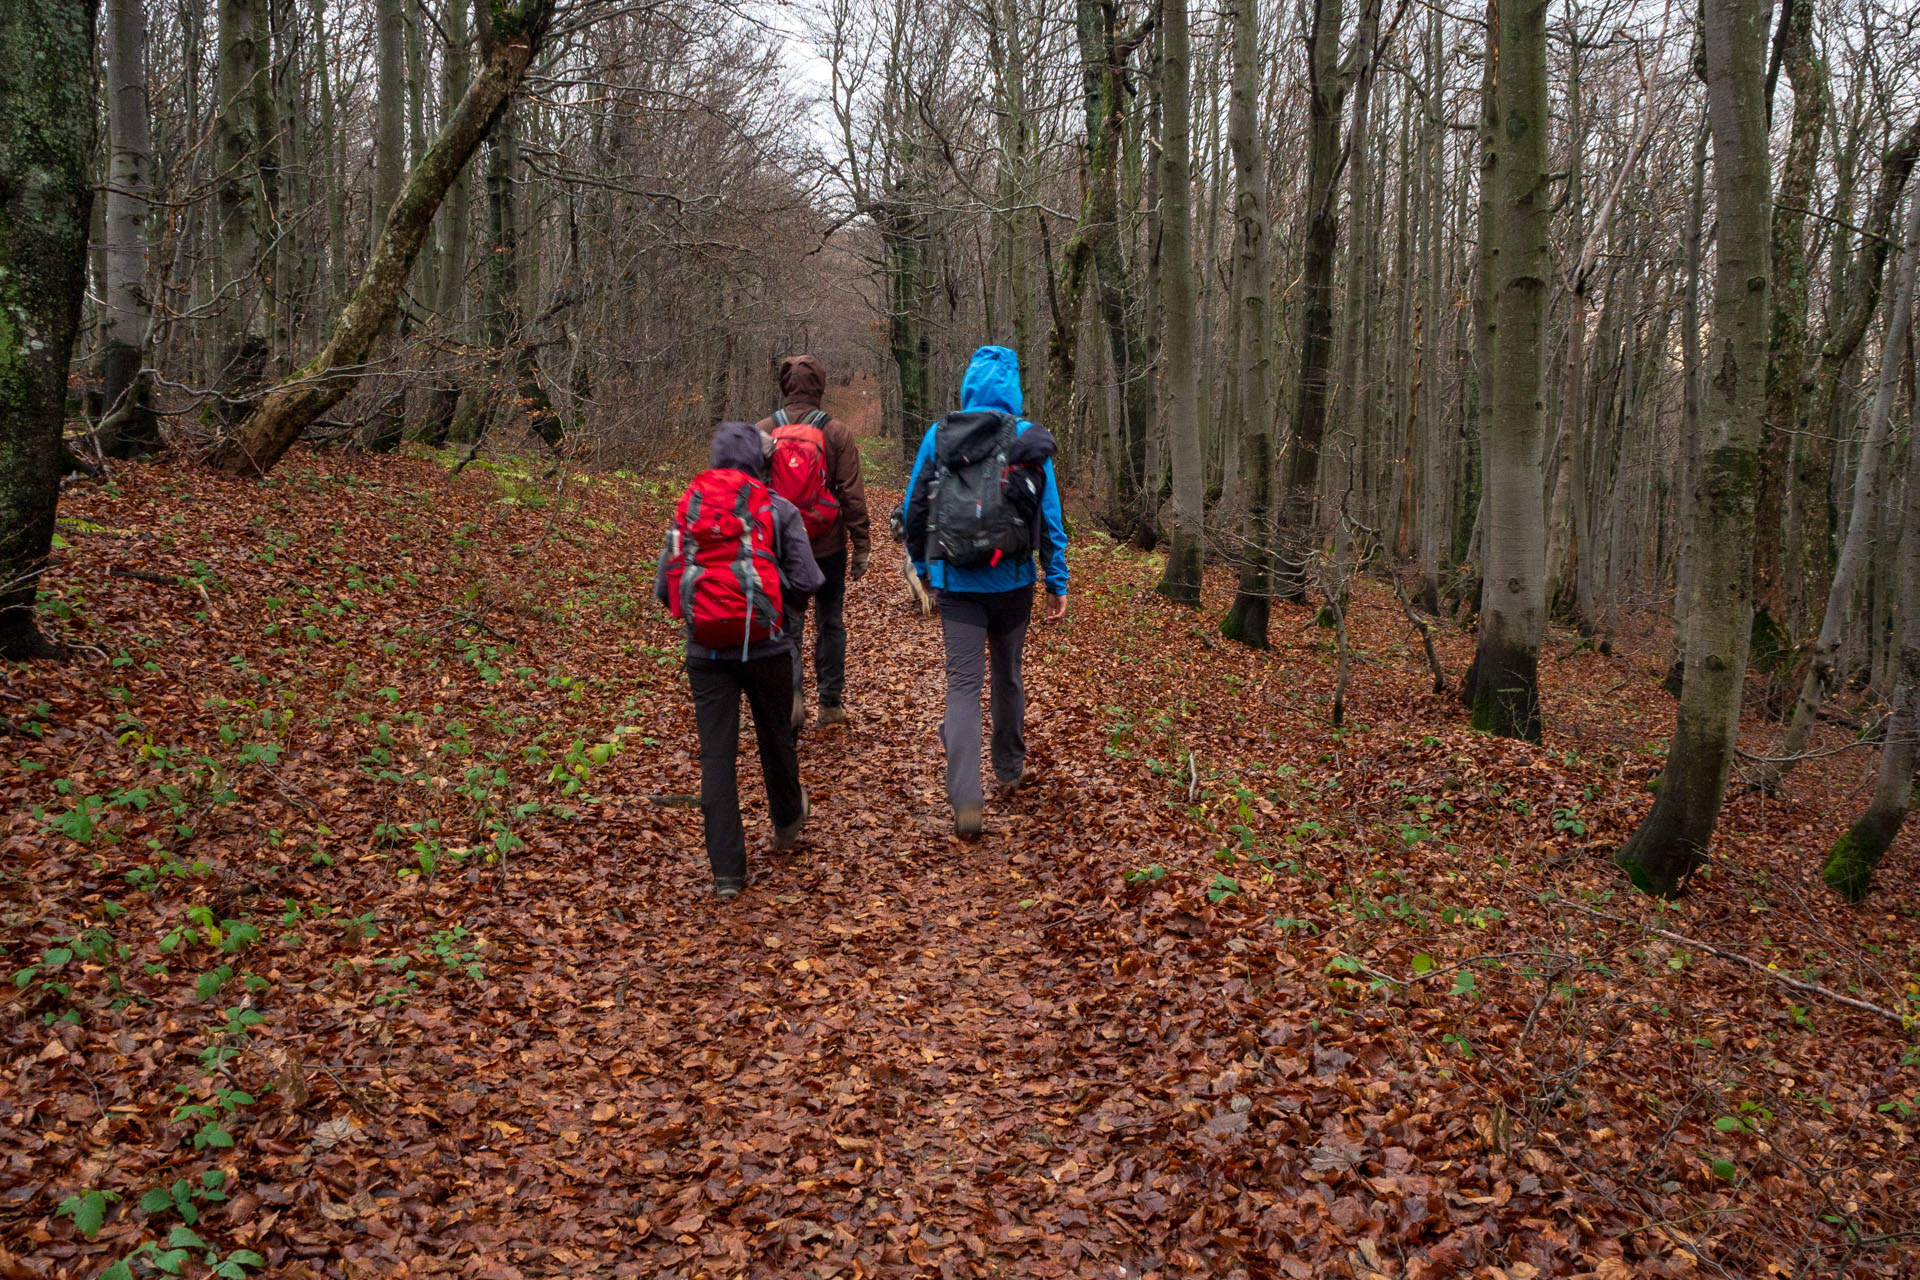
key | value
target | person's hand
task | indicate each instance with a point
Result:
(857, 566)
(1056, 607)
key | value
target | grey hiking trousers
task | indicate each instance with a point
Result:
(984, 629)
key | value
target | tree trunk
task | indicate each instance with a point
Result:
(1503, 685)
(1326, 96)
(1854, 856)
(133, 430)
(1823, 671)
(1434, 473)
(287, 410)
(388, 422)
(1671, 842)
(1787, 334)
(243, 161)
(1689, 405)
(443, 401)
(1252, 394)
(1350, 470)
(334, 171)
(1187, 544)
(47, 134)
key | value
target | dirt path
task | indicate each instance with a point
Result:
(1221, 993)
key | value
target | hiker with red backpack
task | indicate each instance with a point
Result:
(816, 467)
(737, 558)
(982, 502)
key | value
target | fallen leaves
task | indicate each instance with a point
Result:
(1141, 1027)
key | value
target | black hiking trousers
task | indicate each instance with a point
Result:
(830, 633)
(717, 685)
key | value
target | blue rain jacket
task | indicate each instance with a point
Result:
(993, 382)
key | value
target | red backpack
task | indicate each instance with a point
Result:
(723, 569)
(800, 470)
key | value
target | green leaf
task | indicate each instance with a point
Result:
(157, 1200)
(247, 1257)
(1729, 1124)
(57, 957)
(1423, 963)
(1463, 984)
(1725, 1170)
(1344, 964)
(214, 1136)
(89, 1212)
(118, 1271)
(185, 1238)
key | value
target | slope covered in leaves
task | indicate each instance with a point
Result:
(358, 927)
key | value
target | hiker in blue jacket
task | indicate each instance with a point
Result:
(981, 504)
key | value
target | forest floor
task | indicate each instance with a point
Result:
(356, 926)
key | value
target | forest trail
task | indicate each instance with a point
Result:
(1221, 992)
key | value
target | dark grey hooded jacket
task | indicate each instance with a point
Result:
(739, 446)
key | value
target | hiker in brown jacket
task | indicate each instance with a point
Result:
(842, 550)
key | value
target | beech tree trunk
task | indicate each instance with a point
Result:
(1670, 844)
(1252, 394)
(47, 115)
(443, 401)
(130, 428)
(1787, 333)
(1326, 97)
(1823, 671)
(1503, 685)
(288, 409)
(245, 194)
(1689, 404)
(387, 424)
(1854, 856)
(1187, 546)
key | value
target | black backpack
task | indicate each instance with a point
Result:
(980, 510)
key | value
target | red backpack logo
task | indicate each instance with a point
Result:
(800, 470)
(723, 572)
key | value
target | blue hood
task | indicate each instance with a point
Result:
(992, 381)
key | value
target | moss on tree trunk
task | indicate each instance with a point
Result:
(47, 126)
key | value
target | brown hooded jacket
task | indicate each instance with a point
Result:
(802, 383)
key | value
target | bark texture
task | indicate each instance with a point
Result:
(1503, 686)
(1854, 856)
(132, 428)
(1670, 844)
(1251, 394)
(1823, 671)
(1186, 546)
(47, 116)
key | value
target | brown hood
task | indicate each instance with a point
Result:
(802, 382)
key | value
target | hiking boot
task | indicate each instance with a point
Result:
(728, 888)
(969, 820)
(799, 712)
(834, 714)
(785, 837)
(1010, 785)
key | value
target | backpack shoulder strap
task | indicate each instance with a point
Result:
(779, 417)
(818, 418)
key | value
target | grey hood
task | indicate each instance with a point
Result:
(739, 446)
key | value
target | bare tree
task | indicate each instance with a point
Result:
(1503, 686)
(518, 26)
(1670, 844)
